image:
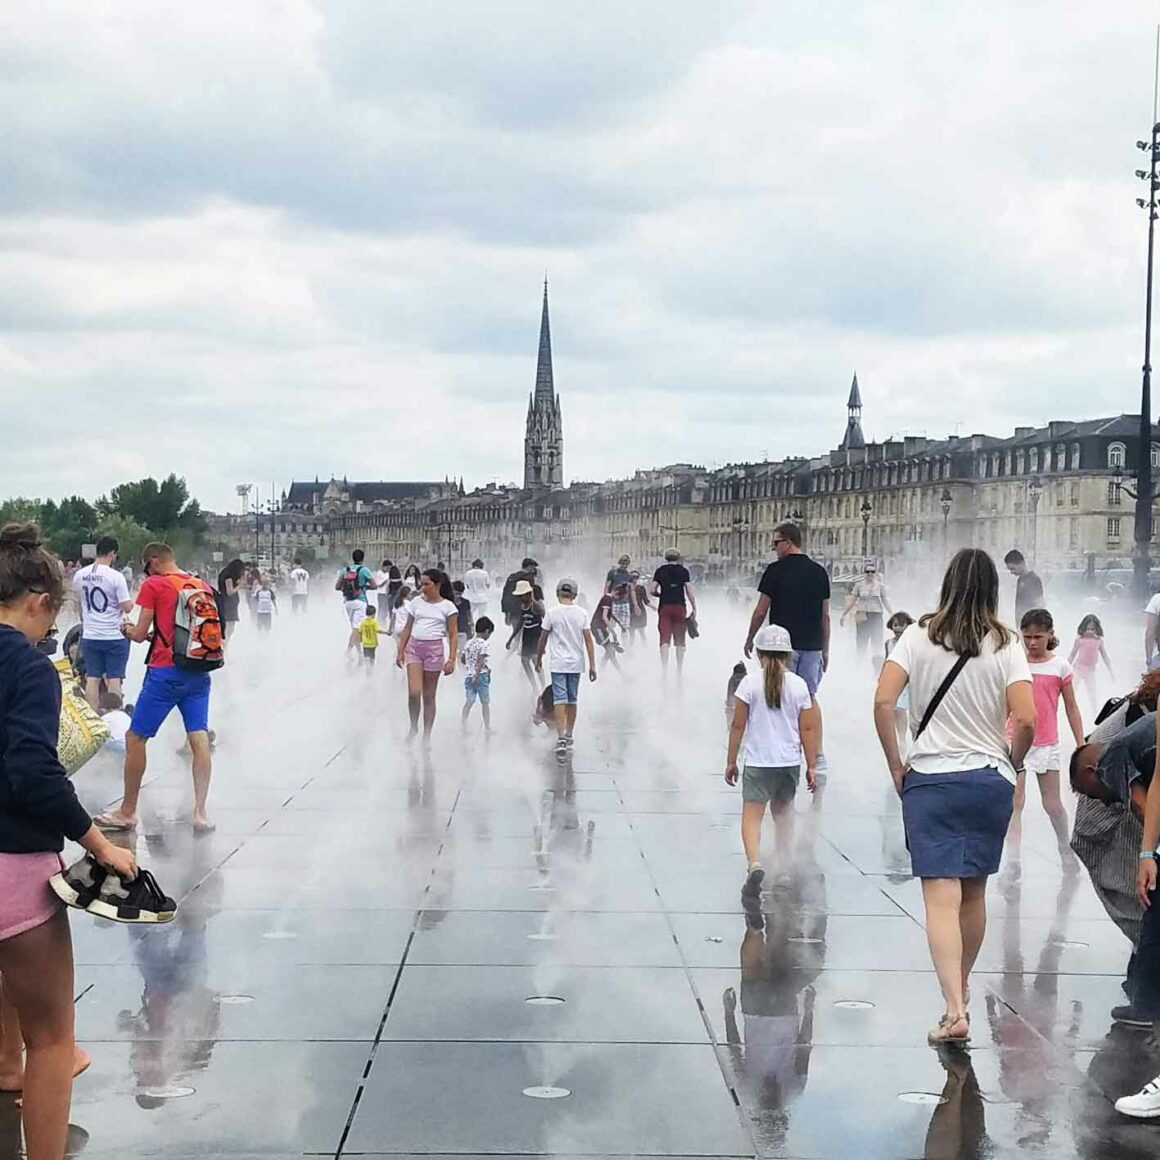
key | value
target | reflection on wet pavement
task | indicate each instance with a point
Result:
(381, 948)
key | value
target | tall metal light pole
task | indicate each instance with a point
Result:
(1142, 552)
(865, 510)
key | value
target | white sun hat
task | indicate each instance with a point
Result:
(772, 638)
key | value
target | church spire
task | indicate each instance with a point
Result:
(544, 438)
(545, 388)
(853, 440)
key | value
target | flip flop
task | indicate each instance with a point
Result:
(112, 823)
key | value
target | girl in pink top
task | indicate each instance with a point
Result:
(1051, 682)
(1086, 654)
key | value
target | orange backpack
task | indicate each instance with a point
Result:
(197, 627)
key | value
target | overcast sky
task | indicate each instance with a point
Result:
(267, 240)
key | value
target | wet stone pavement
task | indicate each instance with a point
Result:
(384, 951)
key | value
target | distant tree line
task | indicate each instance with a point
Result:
(134, 513)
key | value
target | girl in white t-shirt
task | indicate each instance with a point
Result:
(432, 620)
(1052, 681)
(778, 719)
(399, 615)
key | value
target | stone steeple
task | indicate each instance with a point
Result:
(544, 436)
(853, 440)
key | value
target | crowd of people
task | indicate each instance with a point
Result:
(964, 708)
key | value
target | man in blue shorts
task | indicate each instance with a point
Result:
(566, 637)
(795, 592)
(103, 597)
(166, 688)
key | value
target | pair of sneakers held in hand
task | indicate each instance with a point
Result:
(87, 885)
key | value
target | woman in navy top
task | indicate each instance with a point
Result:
(38, 810)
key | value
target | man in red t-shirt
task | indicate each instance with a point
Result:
(166, 688)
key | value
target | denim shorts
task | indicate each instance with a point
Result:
(808, 666)
(566, 688)
(478, 688)
(956, 822)
(166, 688)
(105, 658)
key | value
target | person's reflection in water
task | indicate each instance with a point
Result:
(958, 1128)
(176, 1028)
(425, 831)
(1026, 1015)
(782, 953)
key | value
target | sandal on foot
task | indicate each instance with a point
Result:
(944, 1032)
(114, 823)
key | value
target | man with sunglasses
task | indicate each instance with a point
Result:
(795, 592)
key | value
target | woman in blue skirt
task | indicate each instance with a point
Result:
(967, 676)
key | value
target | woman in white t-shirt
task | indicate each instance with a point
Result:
(432, 619)
(778, 719)
(958, 790)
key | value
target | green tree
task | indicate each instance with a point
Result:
(20, 510)
(68, 525)
(164, 508)
(129, 534)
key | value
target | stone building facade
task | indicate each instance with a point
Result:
(1055, 492)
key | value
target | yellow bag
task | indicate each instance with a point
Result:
(82, 732)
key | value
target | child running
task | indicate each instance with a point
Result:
(1085, 656)
(265, 605)
(898, 624)
(399, 615)
(477, 681)
(527, 621)
(368, 633)
(778, 719)
(1051, 682)
(566, 637)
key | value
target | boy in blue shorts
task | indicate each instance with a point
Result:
(477, 682)
(166, 688)
(566, 637)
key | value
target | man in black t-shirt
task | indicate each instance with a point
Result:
(673, 586)
(794, 592)
(1028, 586)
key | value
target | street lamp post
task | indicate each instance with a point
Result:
(945, 501)
(1035, 491)
(1141, 554)
(865, 510)
(739, 526)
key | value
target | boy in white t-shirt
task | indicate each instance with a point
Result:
(117, 718)
(566, 637)
(778, 719)
(477, 681)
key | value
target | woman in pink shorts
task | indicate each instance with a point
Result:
(432, 619)
(38, 810)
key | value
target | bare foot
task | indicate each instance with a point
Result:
(202, 824)
(82, 1061)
